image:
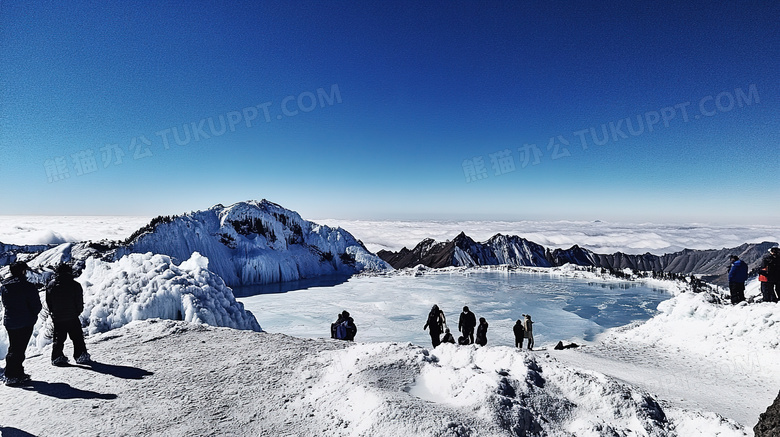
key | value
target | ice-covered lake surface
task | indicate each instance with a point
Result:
(394, 308)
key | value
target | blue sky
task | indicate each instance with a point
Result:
(393, 110)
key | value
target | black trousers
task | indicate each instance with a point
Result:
(770, 291)
(64, 329)
(435, 338)
(469, 334)
(18, 339)
(737, 290)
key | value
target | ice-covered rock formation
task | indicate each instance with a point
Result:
(255, 243)
(147, 286)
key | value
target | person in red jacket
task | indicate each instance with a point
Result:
(769, 275)
(65, 300)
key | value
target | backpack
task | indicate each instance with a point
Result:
(341, 330)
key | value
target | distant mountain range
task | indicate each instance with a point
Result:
(516, 251)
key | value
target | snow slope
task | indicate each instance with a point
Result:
(256, 243)
(176, 378)
(697, 353)
(143, 286)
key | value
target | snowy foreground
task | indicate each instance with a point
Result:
(696, 368)
(159, 377)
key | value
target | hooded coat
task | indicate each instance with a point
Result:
(21, 302)
(64, 298)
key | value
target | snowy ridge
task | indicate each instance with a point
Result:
(257, 243)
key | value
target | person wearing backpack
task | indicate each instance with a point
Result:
(333, 325)
(22, 303)
(519, 334)
(528, 326)
(65, 301)
(435, 324)
(482, 332)
(466, 324)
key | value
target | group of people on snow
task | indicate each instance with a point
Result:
(22, 305)
(437, 323)
(344, 327)
(768, 276)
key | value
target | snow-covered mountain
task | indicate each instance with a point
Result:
(246, 243)
(255, 243)
(462, 251)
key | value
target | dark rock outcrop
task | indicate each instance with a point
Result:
(769, 422)
(517, 251)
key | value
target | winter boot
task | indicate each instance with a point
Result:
(84, 358)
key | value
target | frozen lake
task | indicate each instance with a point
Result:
(394, 308)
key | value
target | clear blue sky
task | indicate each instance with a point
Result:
(393, 109)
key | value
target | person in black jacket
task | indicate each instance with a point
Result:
(435, 325)
(448, 338)
(482, 332)
(519, 333)
(466, 323)
(65, 300)
(22, 305)
(769, 275)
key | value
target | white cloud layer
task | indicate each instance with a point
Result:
(601, 237)
(62, 229)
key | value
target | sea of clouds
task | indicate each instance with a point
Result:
(599, 236)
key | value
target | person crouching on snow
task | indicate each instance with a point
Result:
(448, 338)
(22, 304)
(65, 300)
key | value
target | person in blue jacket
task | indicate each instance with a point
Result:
(738, 274)
(22, 304)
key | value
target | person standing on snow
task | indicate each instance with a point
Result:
(435, 324)
(528, 326)
(65, 300)
(466, 323)
(519, 334)
(22, 304)
(738, 274)
(482, 332)
(769, 275)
